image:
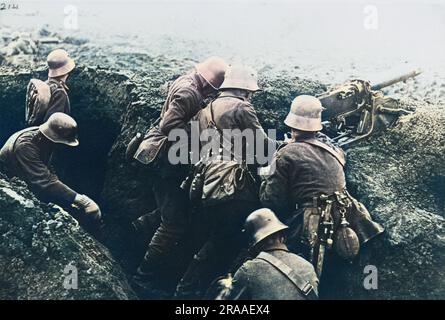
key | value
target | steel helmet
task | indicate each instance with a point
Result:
(213, 70)
(305, 114)
(59, 63)
(60, 128)
(239, 77)
(262, 223)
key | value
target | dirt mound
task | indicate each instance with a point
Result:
(40, 247)
(400, 177)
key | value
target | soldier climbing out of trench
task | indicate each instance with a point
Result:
(27, 155)
(186, 96)
(44, 98)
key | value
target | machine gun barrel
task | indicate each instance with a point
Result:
(388, 83)
(49, 40)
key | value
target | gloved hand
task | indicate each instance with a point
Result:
(90, 207)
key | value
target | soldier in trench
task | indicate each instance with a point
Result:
(46, 98)
(309, 173)
(220, 217)
(27, 154)
(274, 273)
(185, 98)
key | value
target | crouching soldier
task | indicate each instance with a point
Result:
(275, 273)
(45, 98)
(307, 189)
(27, 155)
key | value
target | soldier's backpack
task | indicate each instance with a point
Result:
(224, 179)
(38, 95)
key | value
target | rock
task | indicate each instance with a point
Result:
(41, 245)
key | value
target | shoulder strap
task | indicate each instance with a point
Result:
(211, 118)
(212, 123)
(304, 286)
(317, 143)
(18, 135)
(210, 110)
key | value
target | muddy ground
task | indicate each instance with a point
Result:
(117, 91)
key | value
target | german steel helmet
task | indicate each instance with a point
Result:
(305, 114)
(60, 128)
(262, 223)
(213, 70)
(59, 63)
(240, 77)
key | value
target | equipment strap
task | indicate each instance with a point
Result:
(304, 286)
(325, 147)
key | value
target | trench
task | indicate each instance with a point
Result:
(98, 100)
(109, 109)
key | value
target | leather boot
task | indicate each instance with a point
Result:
(191, 284)
(146, 280)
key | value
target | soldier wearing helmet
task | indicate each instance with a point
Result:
(308, 172)
(44, 98)
(232, 109)
(60, 65)
(275, 273)
(221, 220)
(185, 98)
(27, 155)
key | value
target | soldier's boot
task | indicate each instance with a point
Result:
(144, 227)
(161, 250)
(146, 280)
(191, 284)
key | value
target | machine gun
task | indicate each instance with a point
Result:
(356, 109)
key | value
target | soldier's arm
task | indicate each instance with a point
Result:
(248, 119)
(274, 187)
(240, 285)
(40, 179)
(59, 103)
(182, 108)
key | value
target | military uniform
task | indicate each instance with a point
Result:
(302, 171)
(221, 223)
(233, 112)
(258, 279)
(59, 101)
(184, 100)
(26, 157)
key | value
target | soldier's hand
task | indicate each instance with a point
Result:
(90, 207)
